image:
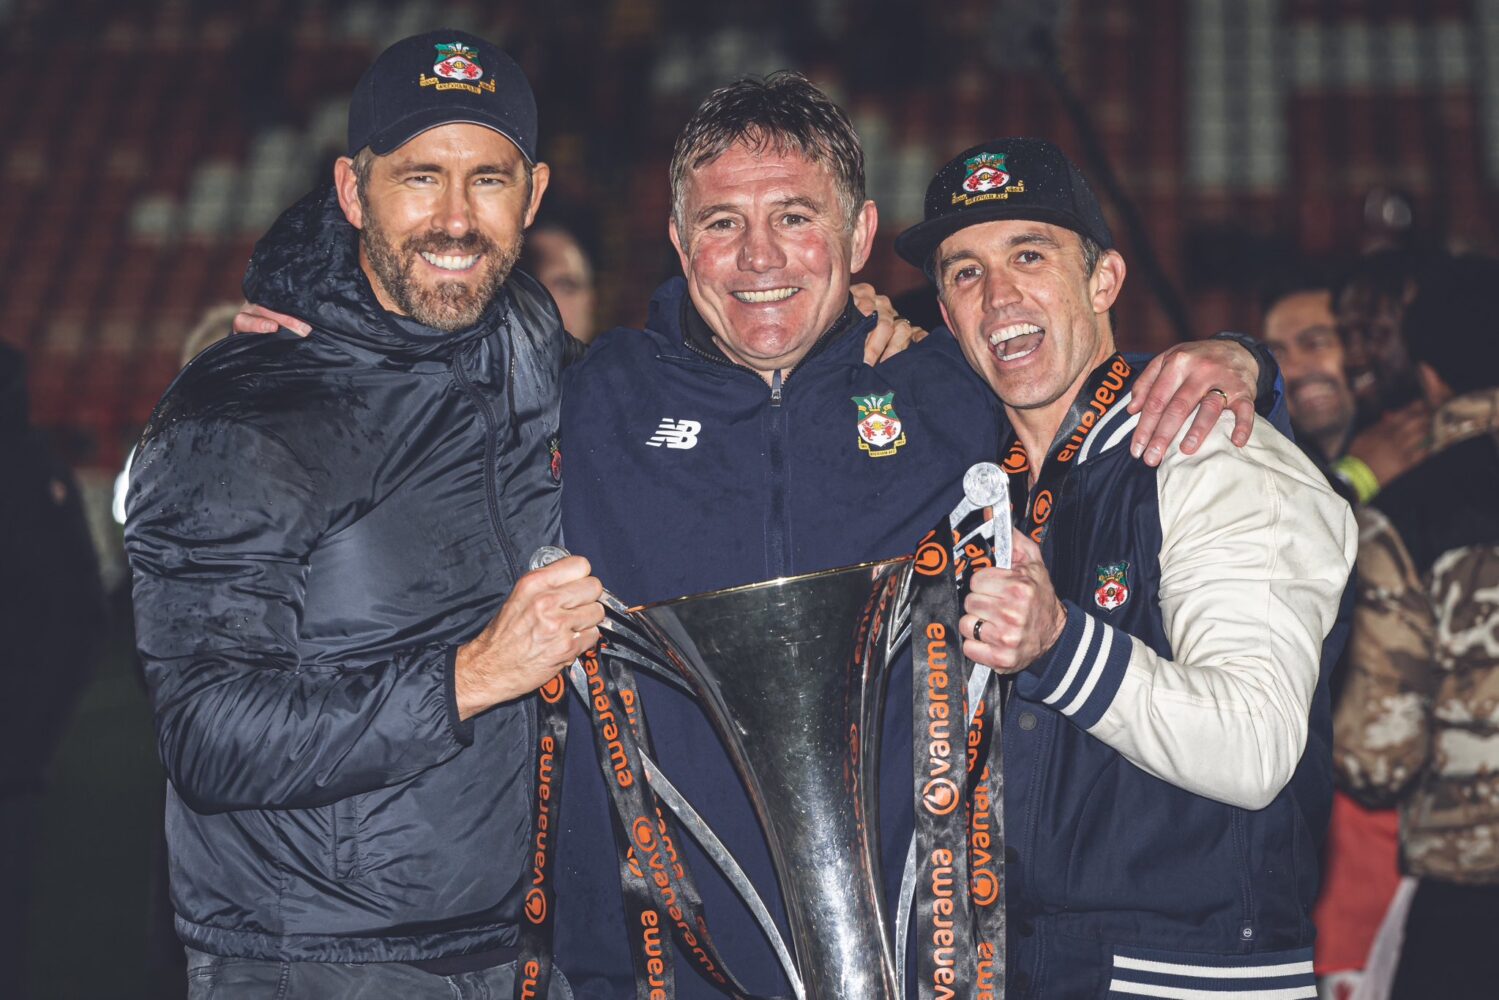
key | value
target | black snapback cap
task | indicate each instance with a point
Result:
(1017, 178)
(439, 78)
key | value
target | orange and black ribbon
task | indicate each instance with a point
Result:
(1106, 385)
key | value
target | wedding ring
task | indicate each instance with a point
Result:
(978, 627)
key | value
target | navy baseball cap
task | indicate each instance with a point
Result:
(1018, 178)
(439, 78)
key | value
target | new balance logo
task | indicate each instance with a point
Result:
(675, 434)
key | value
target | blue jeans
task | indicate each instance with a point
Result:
(213, 977)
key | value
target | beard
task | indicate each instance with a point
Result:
(444, 305)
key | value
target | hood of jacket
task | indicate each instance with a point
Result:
(307, 265)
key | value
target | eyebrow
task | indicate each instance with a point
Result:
(1019, 239)
(437, 168)
(794, 201)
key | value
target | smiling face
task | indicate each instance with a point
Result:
(768, 252)
(1028, 315)
(441, 221)
(1301, 332)
(1380, 372)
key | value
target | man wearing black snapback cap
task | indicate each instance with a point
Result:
(1166, 750)
(329, 539)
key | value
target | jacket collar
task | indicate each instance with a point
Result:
(307, 265)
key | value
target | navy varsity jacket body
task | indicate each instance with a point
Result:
(1167, 764)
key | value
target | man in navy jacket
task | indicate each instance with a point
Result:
(726, 443)
(1167, 748)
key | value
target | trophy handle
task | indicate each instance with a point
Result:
(691, 820)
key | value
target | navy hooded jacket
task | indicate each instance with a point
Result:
(314, 526)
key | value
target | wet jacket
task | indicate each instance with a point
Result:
(1417, 723)
(1167, 761)
(314, 526)
(689, 473)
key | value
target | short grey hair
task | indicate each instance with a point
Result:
(783, 113)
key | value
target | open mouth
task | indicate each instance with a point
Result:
(1016, 341)
(1362, 381)
(451, 262)
(762, 296)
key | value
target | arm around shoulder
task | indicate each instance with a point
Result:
(1255, 553)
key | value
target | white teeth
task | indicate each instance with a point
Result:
(768, 295)
(1012, 331)
(1020, 354)
(449, 262)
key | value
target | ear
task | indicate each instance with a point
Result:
(866, 221)
(1107, 280)
(676, 241)
(946, 319)
(346, 182)
(541, 175)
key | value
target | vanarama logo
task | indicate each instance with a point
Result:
(536, 898)
(980, 845)
(1105, 396)
(605, 720)
(986, 179)
(551, 691)
(457, 69)
(940, 793)
(931, 555)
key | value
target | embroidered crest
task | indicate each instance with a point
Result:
(986, 172)
(456, 62)
(986, 179)
(1113, 586)
(878, 425)
(554, 448)
(456, 70)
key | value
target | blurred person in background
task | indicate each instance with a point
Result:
(1360, 873)
(1391, 415)
(554, 255)
(52, 619)
(213, 325)
(1418, 723)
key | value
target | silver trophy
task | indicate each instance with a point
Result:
(791, 674)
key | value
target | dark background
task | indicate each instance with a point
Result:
(147, 144)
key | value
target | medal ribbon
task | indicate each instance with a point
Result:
(534, 959)
(1105, 386)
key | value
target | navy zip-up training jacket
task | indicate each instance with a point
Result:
(685, 474)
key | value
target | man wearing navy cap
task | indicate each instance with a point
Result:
(329, 539)
(1166, 748)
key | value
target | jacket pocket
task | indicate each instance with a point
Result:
(343, 828)
(1285, 975)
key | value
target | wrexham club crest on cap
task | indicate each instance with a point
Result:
(985, 179)
(1113, 586)
(457, 68)
(879, 427)
(457, 62)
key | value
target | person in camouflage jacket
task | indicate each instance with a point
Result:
(1419, 719)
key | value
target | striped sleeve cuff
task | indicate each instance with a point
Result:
(1080, 675)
